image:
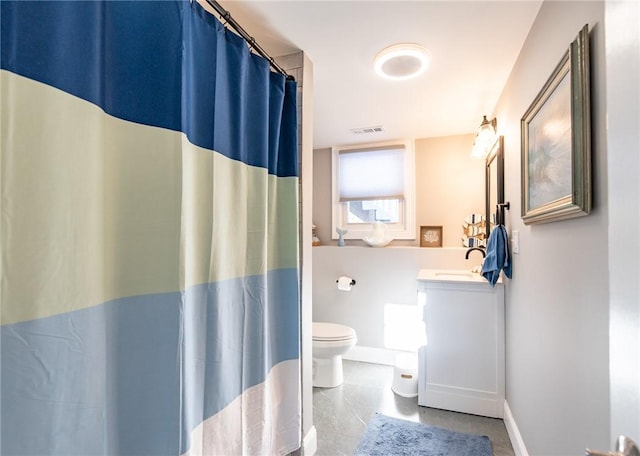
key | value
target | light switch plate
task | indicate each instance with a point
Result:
(515, 241)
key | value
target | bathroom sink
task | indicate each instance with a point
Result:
(450, 275)
(455, 275)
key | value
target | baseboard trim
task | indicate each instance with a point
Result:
(310, 442)
(514, 434)
(372, 355)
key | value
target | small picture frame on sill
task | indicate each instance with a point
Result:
(431, 236)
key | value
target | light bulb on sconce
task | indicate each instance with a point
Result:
(485, 138)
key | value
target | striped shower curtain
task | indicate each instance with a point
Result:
(149, 235)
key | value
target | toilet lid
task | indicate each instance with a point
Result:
(331, 331)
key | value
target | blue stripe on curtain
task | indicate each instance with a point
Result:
(55, 367)
(121, 56)
(154, 63)
(215, 367)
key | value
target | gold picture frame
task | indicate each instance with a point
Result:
(556, 142)
(431, 236)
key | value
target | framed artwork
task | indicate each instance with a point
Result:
(556, 142)
(430, 236)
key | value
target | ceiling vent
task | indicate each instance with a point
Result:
(367, 130)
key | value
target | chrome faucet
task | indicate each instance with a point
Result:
(472, 249)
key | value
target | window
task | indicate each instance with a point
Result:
(374, 182)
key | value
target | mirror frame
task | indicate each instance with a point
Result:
(494, 157)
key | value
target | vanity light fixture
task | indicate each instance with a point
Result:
(485, 138)
(401, 61)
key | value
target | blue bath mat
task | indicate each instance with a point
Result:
(386, 436)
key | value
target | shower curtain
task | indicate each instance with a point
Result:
(149, 235)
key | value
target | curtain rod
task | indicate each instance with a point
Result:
(224, 14)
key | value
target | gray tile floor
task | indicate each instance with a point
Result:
(341, 414)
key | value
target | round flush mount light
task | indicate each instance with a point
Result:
(401, 61)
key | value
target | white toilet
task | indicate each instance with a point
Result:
(330, 342)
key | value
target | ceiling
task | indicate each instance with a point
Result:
(473, 46)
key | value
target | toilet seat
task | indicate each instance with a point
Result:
(331, 332)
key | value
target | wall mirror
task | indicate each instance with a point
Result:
(494, 185)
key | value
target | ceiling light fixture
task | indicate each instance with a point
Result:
(485, 138)
(401, 61)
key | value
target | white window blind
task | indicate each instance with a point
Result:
(371, 174)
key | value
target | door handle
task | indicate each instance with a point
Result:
(624, 447)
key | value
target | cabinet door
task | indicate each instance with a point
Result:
(463, 361)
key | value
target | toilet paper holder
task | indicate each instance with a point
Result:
(353, 282)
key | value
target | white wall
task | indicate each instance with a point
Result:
(449, 186)
(382, 275)
(557, 304)
(623, 111)
(301, 68)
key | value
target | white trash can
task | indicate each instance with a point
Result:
(405, 376)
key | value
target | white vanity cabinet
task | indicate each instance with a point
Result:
(461, 368)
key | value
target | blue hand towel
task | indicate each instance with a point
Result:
(498, 256)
